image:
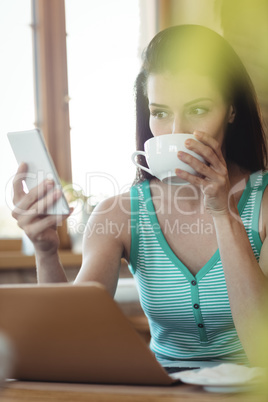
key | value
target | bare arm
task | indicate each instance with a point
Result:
(106, 238)
(246, 279)
(247, 284)
(106, 241)
(40, 228)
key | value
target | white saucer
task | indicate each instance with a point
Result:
(213, 384)
(228, 389)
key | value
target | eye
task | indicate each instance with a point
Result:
(159, 114)
(198, 110)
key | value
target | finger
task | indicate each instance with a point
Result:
(212, 143)
(30, 208)
(188, 177)
(35, 226)
(201, 168)
(36, 231)
(35, 194)
(209, 149)
(18, 183)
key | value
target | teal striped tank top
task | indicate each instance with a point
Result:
(189, 316)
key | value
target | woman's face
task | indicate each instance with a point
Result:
(185, 102)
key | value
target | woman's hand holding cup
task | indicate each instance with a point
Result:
(195, 159)
(212, 175)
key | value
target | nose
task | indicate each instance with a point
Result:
(179, 125)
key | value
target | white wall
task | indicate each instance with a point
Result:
(201, 12)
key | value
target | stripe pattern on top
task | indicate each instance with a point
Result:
(189, 316)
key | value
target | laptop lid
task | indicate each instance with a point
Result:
(74, 333)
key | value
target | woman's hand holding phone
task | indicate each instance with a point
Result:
(29, 211)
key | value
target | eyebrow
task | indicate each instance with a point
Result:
(198, 100)
(186, 104)
(158, 105)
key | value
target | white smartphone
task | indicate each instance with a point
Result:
(29, 147)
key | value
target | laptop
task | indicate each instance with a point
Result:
(75, 333)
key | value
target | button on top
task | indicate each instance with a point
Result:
(200, 325)
(193, 283)
(196, 305)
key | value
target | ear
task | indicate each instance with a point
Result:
(231, 114)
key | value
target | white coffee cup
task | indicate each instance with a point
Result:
(161, 154)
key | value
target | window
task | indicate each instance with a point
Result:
(103, 61)
(127, 28)
(104, 44)
(17, 93)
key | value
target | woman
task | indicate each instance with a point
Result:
(198, 252)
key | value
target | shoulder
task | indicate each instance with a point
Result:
(108, 226)
(118, 208)
(263, 221)
(115, 208)
(263, 230)
(121, 203)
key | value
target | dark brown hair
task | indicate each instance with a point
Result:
(199, 49)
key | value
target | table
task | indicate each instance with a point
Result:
(19, 391)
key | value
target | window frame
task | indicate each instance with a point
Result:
(51, 88)
(51, 96)
(51, 91)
